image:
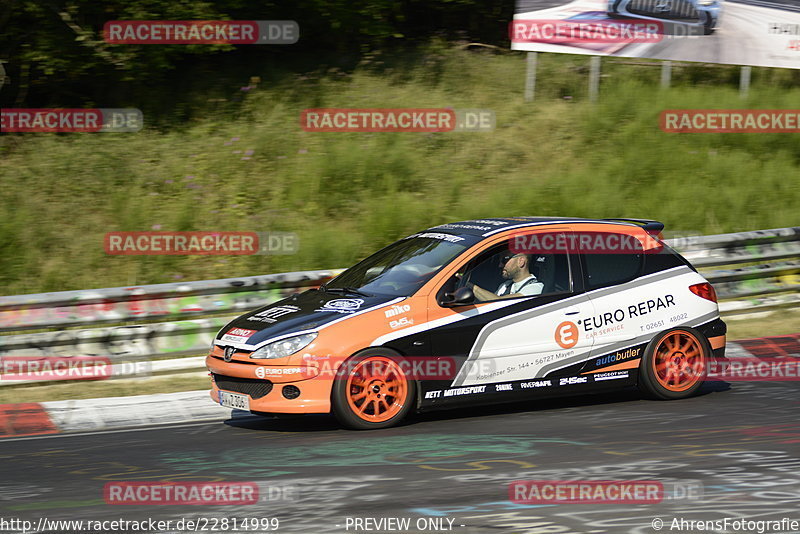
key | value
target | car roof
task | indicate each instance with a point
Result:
(492, 225)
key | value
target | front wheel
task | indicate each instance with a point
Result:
(372, 391)
(674, 364)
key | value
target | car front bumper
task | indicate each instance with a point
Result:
(246, 378)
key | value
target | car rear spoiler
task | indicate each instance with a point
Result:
(648, 225)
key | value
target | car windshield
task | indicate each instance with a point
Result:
(402, 268)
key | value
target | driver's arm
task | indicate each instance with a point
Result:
(483, 294)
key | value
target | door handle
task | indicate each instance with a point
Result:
(572, 311)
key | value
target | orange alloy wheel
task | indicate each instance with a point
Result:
(678, 361)
(377, 389)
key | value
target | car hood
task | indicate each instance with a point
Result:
(309, 310)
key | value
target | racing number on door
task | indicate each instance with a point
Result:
(567, 334)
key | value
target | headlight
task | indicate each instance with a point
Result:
(707, 2)
(284, 347)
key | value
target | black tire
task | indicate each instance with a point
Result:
(379, 393)
(689, 364)
(708, 25)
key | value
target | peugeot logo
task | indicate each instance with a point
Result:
(228, 355)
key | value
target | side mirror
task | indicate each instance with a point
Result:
(460, 297)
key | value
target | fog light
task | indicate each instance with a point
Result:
(291, 392)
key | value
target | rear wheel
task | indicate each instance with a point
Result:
(674, 365)
(372, 391)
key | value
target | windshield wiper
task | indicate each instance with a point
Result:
(350, 290)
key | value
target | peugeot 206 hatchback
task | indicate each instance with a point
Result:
(478, 312)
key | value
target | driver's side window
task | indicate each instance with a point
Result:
(500, 274)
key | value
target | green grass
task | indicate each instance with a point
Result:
(346, 194)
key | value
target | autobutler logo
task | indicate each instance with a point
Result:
(754, 370)
(39, 368)
(236, 32)
(730, 121)
(107, 120)
(200, 243)
(182, 493)
(396, 120)
(602, 491)
(585, 31)
(584, 242)
(413, 367)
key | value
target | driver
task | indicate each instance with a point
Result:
(519, 280)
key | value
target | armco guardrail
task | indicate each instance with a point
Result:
(158, 301)
(165, 310)
(752, 272)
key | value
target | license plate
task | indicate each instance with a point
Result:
(234, 400)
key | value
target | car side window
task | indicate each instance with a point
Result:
(605, 270)
(499, 273)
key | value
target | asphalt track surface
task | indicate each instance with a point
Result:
(737, 441)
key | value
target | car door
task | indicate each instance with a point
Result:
(518, 338)
(613, 284)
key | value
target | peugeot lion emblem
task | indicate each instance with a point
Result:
(229, 353)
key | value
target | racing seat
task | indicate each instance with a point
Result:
(552, 270)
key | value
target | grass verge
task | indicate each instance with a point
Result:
(347, 194)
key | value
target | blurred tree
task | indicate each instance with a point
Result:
(56, 54)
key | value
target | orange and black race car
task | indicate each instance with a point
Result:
(477, 312)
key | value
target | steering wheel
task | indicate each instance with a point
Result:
(463, 280)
